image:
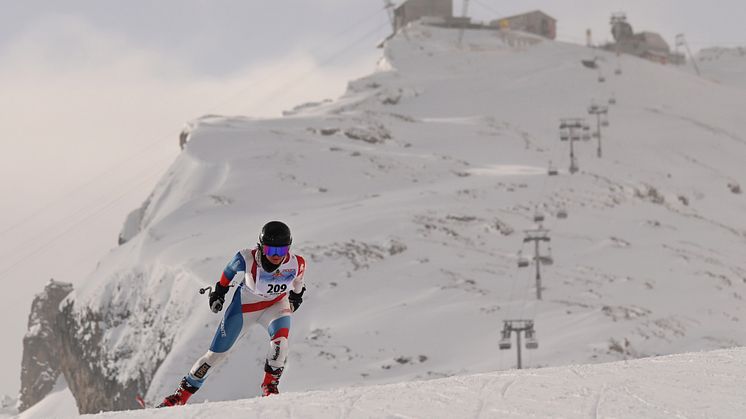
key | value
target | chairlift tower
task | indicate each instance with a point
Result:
(621, 31)
(573, 129)
(599, 111)
(681, 41)
(518, 326)
(536, 236)
(464, 11)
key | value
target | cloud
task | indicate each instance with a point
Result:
(67, 84)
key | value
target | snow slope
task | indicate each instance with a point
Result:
(724, 65)
(409, 196)
(692, 385)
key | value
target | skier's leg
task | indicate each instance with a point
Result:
(278, 329)
(225, 336)
(277, 321)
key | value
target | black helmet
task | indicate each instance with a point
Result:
(276, 233)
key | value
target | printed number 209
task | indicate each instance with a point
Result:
(273, 288)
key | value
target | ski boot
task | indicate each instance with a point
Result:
(271, 380)
(180, 396)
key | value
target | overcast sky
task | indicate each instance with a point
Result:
(94, 94)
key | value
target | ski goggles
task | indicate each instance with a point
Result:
(275, 250)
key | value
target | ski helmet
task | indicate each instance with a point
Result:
(276, 233)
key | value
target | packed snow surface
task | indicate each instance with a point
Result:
(693, 385)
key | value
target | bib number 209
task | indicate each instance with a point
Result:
(277, 288)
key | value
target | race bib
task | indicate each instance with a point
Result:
(275, 283)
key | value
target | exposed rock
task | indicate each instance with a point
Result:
(84, 363)
(372, 134)
(40, 366)
(305, 106)
(107, 351)
(134, 222)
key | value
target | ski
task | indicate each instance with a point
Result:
(141, 402)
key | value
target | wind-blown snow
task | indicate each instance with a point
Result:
(409, 196)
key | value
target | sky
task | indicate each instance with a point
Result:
(95, 94)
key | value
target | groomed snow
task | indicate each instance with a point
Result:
(693, 385)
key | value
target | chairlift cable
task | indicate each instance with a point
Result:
(88, 216)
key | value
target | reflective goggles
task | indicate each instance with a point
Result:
(275, 250)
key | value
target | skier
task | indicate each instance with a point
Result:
(272, 289)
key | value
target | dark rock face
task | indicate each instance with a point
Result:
(83, 357)
(40, 367)
(107, 351)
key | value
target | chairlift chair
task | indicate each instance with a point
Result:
(547, 259)
(505, 340)
(601, 79)
(562, 213)
(531, 342)
(604, 122)
(589, 63)
(538, 216)
(612, 100)
(618, 71)
(523, 261)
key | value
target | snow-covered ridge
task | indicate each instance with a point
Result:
(409, 196)
(724, 65)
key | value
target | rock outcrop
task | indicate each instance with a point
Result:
(97, 347)
(41, 346)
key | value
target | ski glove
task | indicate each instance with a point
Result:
(217, 297)
(296, 299)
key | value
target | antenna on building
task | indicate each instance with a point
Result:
(681, 41)
(464, 11)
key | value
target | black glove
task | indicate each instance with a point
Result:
(296, 299)
(217, 297)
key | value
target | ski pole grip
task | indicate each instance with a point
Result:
(205, 289)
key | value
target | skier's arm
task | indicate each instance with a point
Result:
(298, 282)
(217, 297)
(237, 264)
(295, 296)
